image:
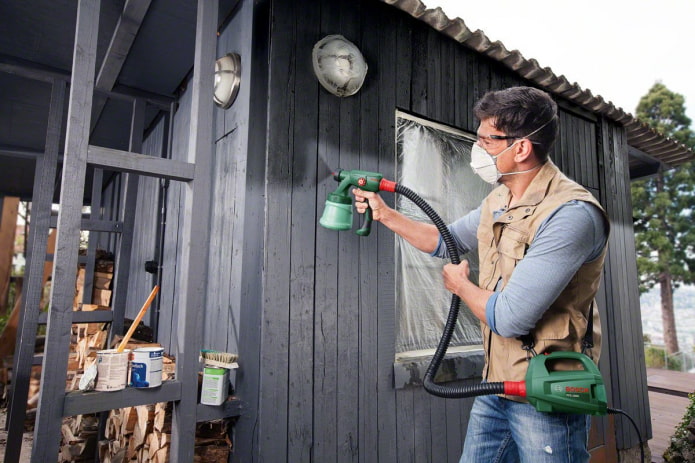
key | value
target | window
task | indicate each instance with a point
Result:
(432, 160)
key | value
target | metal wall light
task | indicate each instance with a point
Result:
(339, 65)
(227, 79)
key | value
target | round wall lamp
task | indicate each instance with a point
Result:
(339, 65)
(227, 79)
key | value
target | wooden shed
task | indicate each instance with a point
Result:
(109, 105)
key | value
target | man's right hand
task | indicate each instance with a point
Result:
(423, 236)
(368, 198)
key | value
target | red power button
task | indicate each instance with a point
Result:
(361, 181)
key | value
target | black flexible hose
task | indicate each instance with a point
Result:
(448, 391)
(614, 411)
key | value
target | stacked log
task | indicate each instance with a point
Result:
(143, 434)
(79, 436)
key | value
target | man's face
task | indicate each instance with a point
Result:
(496, 143)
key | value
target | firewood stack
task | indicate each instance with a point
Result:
(143, 434)
(79, 439)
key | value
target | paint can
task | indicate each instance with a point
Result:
(112, 369)
(146, 367)
(215, 388)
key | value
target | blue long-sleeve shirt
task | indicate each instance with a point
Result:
(572, 235)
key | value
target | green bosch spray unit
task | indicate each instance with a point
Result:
(578, 390)
(563, 391)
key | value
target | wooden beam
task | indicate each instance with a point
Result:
(40, 243)
(34, 71)
(8, 226)
(122, 40)
(123, 37)
(124, 161)
(195, 234)
(54, 371)
(97, 225)
(125, 241)
(78, 316)
(78, 402)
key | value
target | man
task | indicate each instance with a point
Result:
(541, 241)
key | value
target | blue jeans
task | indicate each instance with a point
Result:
(501, 430)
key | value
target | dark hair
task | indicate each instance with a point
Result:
(518, 111)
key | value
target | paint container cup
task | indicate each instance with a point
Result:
(112, 370)
(146, 367)
(215, 388)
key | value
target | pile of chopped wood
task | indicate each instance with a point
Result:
(79, 438)
(137, 434)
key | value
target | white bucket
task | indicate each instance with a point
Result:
(146, 367)
(112, 369)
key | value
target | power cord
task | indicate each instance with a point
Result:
(615, 411)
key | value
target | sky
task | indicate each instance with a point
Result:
(616, 48)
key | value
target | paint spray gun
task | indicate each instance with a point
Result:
(337, 214)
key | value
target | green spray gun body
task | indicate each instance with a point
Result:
(562, 391)
(337, 214)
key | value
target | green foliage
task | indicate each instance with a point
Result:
(663, 205)
(3, 321)
(682, 447)
(656, 357)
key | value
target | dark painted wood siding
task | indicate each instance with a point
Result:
(624, 346)
(328, 317)
(312, 311)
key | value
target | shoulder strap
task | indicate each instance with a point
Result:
(588, 341)
(528, 344)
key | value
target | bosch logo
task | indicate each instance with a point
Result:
(577, 390)
(361, 181)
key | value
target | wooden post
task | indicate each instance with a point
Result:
(196, 233)
(8, 225)
(36, 271)
(53, 375)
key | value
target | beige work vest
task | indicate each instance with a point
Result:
(503, 242)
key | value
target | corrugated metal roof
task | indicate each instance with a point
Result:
(639, 135)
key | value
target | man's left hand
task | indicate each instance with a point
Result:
(456, 280)
(455, 276)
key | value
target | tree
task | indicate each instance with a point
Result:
(663, 210)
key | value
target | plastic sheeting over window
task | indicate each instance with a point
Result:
(433, 160)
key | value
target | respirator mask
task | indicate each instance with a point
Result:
(484, 164)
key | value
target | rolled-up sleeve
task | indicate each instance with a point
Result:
(464, 232)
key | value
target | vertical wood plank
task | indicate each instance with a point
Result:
(329, 265)
(195, 233)
(124, 245)
(49, 414)
(275, 328)
(349, 307)
(623, 341)
(419, 77)
(250, 425)
(42, 197)
(303, 220)
(383, 143)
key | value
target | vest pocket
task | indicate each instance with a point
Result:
(511, 248)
